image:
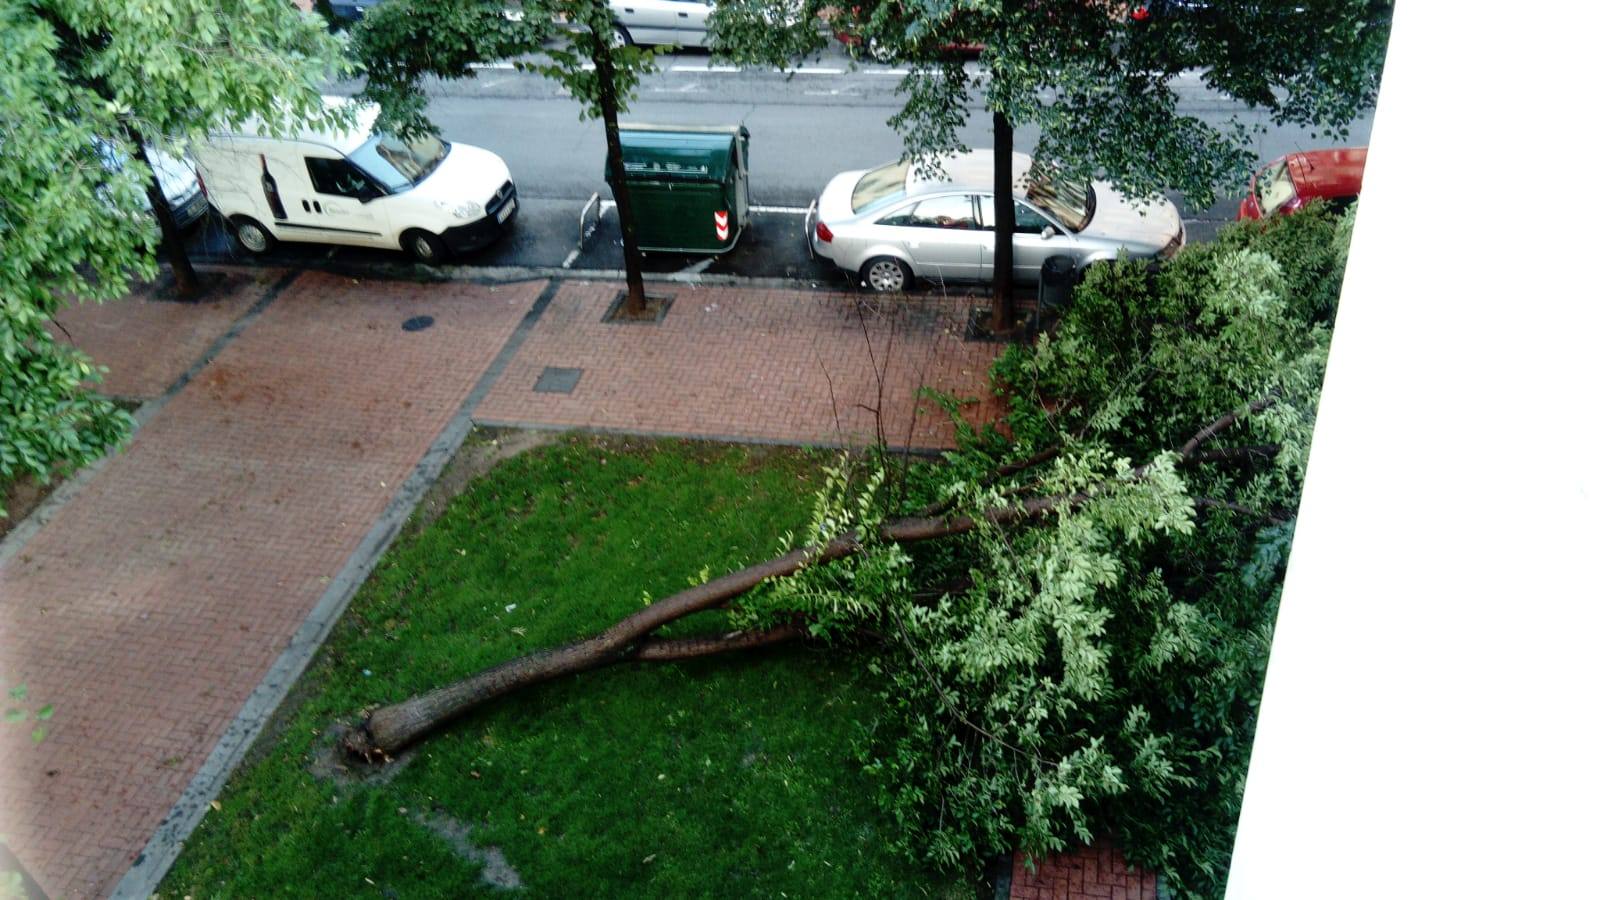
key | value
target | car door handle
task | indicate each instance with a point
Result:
(627, 9)
(683, 15)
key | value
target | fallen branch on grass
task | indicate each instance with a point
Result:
(390, 729)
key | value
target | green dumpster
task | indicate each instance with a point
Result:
(689, 185)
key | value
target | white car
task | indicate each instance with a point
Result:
(892, 224)
(185, 195)
(680, 22)
(360, 187)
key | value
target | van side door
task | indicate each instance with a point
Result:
(344, 205)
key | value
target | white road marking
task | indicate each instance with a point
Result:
(722, 70)
(696, 268)
(571, 258)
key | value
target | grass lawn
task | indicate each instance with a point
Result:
(730, 777)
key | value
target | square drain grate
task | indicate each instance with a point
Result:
(555, 380)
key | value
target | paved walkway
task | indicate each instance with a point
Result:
(153, 602)
(770, 365)
(150, 604)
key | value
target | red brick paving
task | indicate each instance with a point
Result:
(1089, 872)
(152, 603)
(749, 364)
(148, 343)
(150, 606)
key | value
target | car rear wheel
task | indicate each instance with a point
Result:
(252, 235)
(886, 275)
(423, 247)
(620, 37)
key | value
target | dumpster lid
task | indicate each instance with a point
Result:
(679, 152)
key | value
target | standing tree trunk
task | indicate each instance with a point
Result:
(1002, 311)
(185, 283)
(606, 75)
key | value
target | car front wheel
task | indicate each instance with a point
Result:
(886, 275)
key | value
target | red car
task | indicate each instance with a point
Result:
(1288, 182)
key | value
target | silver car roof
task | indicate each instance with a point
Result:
(972, 170)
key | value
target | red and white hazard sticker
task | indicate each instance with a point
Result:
(721, 218)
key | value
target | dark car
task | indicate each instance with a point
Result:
(351, 10)
(1289, 182)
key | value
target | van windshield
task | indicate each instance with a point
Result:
(399, 164)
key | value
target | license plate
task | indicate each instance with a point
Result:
(506, 211)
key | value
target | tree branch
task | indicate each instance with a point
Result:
(657, 650)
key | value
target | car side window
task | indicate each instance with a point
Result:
(902, 216)
(945, 212)
(340, 178)
(1028, 221)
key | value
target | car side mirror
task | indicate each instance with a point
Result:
(1047, 233)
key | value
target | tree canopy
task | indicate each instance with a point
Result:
(1098, 81)
(85, 80)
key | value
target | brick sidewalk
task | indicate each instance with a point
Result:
(148, 343)
(750, 365)
(150, 606)
(1089, 873)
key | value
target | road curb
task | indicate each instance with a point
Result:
(496, 275)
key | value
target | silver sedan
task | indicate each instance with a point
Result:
(893, 224)
(681, 22)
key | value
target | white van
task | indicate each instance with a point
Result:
(428, 197)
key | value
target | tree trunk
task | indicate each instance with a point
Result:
(632, 263)
(1002, 316)
(390, 729)
(186, 285)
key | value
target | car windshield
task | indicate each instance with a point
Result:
(879, 184)
(1274, 187)
(398, 164)
(1071, 204)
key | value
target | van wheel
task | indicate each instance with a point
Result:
(423, 247)
(252, 235)
(886, 275)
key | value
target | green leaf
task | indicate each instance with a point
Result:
(45, 712)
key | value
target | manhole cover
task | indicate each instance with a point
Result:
(555, 380)
(416, 323)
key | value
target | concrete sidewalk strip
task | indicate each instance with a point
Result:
(153, 603)
(740, 363)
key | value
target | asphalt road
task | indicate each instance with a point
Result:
(829, 116)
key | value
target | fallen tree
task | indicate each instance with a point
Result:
(1070, 646)
(390, 729)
